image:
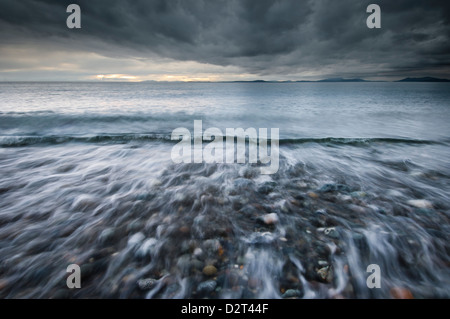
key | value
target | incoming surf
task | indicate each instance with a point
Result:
(191, 150)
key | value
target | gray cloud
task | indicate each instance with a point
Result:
(261, 37)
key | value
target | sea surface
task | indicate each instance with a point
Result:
(87, 178)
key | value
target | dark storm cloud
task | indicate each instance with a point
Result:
(265, 37)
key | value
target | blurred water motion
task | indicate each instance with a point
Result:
(87, 178)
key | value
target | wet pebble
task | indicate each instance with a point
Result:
(284, 206)
(420, 203)
(248, 211)
(322, 263)
(266, 188)
(84, 203)
(359, 240)
(184, 263)
(242, 184)
(146, 248)
(274, 196)
(184, 230)
(241, 260)
(253, 282)
(269, 219)
(3, 283)
(198, 252)
(345, 198)
(86, 270)
(107, 236)
(209, 270)
(196, 264)
(331, 232)
(67, 231)
(320, 218)
(61, 294)
(232, 278)
(172, 290)
(358, 194)
(134, 226)
(136, 239)
(292, 293)
(401, 293)
(394, 193)
(248, 172)
(146, 196)
(313, 195)
(179, 197)
(146, 283)
(349, 290)
(326, 274)
(211, 246)
(206, 287)
(358, 209)
(261, 238)
(328, 188)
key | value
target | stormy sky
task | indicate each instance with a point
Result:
(133, 40)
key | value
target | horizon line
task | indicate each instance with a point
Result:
(327, 80)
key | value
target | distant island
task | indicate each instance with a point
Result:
(303, 81)
(424, 79)
(343, 80)
(334, 80)
(329, 80)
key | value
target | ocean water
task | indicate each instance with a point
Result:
(86, 177)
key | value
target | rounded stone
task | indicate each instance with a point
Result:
(146, 283)
(207, 286)
(209, 270)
